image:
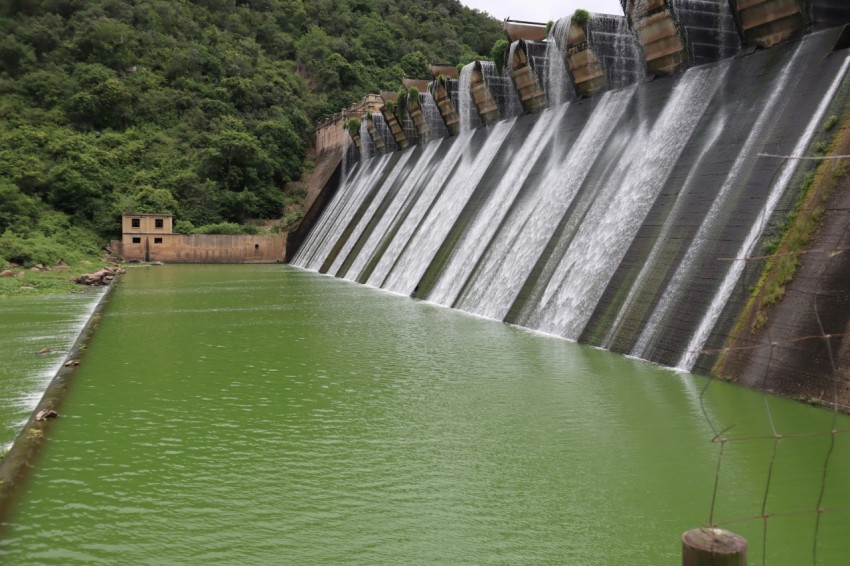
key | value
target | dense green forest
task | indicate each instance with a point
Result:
(203, 109)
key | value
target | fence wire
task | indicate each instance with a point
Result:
(722, 437)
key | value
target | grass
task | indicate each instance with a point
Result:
(796, 233)
(46, 282)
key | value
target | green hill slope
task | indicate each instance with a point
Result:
(203, 109)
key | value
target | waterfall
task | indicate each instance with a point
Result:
(502, 87)
(349, 198)
(628, 67)
(650, 265)
(304, 257)
(422, 205)
(488, 219)
(502, 271)
(469, 119)
(740, 169)
(692, 352)
(416, 257)
(384, 131)
(610, 225)
(436, 126)
(557, 81)
(385, 186)
(393, 215)
(602, 218)
(367, 146)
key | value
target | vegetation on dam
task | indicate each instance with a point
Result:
(201, 109)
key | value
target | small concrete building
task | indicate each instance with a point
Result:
(150, 237)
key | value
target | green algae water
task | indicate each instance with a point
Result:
(263, 414)
(29, 325)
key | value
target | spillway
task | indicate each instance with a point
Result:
(609, 218)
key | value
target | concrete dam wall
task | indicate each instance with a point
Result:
(637, 210)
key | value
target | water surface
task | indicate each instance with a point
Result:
(264, 414)
(29, 325)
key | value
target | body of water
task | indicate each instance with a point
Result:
(265, 414)
(29, 325)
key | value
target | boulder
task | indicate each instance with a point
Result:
(103, 276)
(7, 273)
(45, 414)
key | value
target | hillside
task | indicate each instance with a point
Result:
(203, 109)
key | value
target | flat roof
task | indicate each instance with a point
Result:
(146, 214)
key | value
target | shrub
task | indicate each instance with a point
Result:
(353, 126)
(227, 228)
(498, 53)
(184, 227)
(581, 17)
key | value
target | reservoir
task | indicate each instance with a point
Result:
(268, 414)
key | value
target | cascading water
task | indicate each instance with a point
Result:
(422, 246)
(650, 265)
(697, 342)
(488, 220)
(367, 146)
(741, 168)
(627, 65)
(385, 187)
(320, 232)
(349, 199)
(502, 87)
(436, 126)
(469, 119)
(599, 220)
(421, 207)
(556, 83)
(384, 131)
(393, 214)
(503, 269)
(610, 225)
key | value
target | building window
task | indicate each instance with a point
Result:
(137, 240)
(158, 222)
(157, 240)
(136, 222)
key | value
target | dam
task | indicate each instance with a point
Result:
(617, 185)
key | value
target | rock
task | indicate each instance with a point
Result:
(61, 263)
(45, 414)
(61, 268)
(103, 276)
(35, 268)
(7, 273)
(72, 363)
(27, 288)
(43, 352)
(21, 274)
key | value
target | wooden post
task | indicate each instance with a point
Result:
(713, 547)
